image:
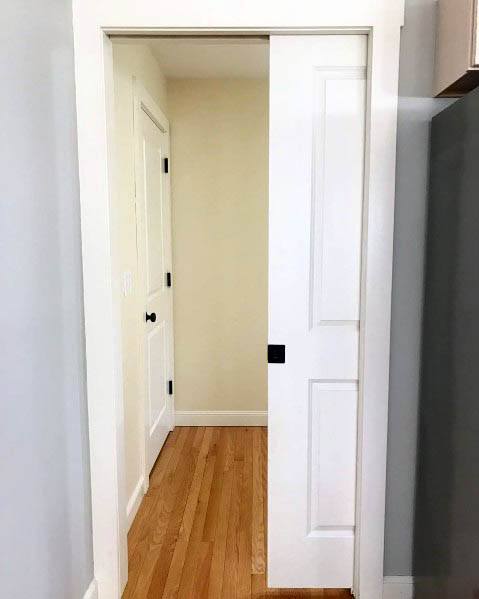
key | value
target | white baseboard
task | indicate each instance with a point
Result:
(92, 591)
(134, 502)
(221, 418)
(398, 587)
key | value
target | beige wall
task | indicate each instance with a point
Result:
(130, 60)
(219, 158)
(219, 155)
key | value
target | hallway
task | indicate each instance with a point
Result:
(201, 529)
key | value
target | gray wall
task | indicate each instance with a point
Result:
(45, 521)
(416, 108)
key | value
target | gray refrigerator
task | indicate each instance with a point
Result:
(446, 540)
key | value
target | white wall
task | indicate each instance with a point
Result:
(130, 60)
(219, 175)
(45, 506)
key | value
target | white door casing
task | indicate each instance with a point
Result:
(154, 244)
(93, 22)
(317, 144)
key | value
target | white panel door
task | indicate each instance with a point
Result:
(155, 268)
(317, 144)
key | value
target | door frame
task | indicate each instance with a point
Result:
(93, 22)
(143, 102)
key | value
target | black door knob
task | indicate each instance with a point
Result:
(151, 317)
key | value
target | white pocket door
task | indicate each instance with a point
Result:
(317, 143)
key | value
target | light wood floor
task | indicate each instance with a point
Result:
(200, 531)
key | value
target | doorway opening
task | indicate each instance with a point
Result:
(191, 248)
(191, 233)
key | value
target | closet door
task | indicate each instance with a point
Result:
(317, 144)
(153, 210)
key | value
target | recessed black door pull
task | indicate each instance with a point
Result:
(151, 317)
(276, 354)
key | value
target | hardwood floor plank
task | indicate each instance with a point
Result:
(153, 518)
(257, 524)
(143, 523)
(163, 558)
(230, 574)
(161, 466)
(202, 575)
(160, 518)
(259, 590)
(245, 565)
(221, 532)
(264, 470)
(195, 550)
(200, 532)
(223, 454)
(299, 593)
(181, 545)
(258, 587)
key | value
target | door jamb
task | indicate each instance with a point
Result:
(103, 343)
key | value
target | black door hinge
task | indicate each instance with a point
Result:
(165, 165)
(168, 279)
(170, 387)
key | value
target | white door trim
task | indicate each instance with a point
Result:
(92, 20)
(92, 591)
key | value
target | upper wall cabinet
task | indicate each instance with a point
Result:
(457, 49)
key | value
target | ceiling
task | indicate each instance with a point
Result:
(209, 58)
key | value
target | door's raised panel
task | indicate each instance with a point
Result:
(154, 217)
(337, 194)
(157, 376)
(332, 457)
(331, 352)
